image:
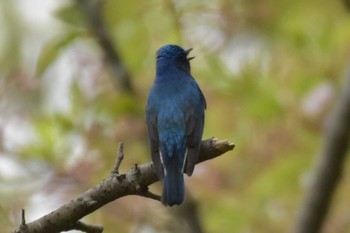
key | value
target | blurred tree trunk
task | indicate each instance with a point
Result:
(329, 166)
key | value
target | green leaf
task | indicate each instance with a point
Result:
(51, 51)
(71, 14)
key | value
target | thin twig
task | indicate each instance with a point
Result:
(23, 217)
(120, 157)
(87, 227)
(150, 195)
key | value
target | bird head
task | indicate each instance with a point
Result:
(173, 55)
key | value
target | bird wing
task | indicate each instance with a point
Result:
(194, 128)
(152, 129)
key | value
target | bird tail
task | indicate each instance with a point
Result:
(173, 189)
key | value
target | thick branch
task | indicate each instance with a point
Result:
(134, 182)
(329, 167)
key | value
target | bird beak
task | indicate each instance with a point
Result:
(187, 52)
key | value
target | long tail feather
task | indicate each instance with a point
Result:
(173, 190)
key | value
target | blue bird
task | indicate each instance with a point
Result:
(175, 120)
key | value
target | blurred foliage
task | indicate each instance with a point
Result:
(52, 49)
(257, 62)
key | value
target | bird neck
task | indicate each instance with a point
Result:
(169, 69)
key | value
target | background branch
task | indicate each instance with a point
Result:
(93, 12)
(329, 167)
(134, 182)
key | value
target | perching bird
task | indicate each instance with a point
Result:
(175, 120)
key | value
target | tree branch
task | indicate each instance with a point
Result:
(329, 167)
(134, 182)
(120, 157)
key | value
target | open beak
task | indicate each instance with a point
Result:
(187, 52)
